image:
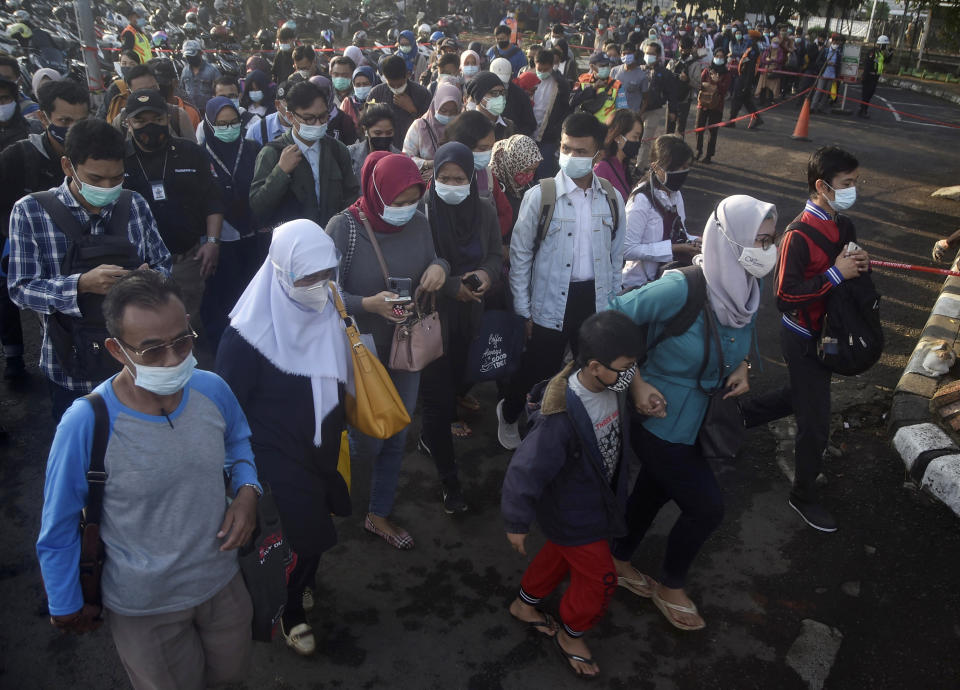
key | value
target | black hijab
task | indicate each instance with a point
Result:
(454, 228)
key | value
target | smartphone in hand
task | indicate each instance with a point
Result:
(473, 282)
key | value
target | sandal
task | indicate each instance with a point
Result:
(469, 403)
(461, 430)
(545, 626)
(568, 657)
(300, 638)
(667, 609)
(402, 540)
(642, 585)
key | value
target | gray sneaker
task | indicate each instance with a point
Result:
(508, 434)
(814, 515)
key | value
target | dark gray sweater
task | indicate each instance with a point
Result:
(408, 253)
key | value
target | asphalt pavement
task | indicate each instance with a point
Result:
(873, 606)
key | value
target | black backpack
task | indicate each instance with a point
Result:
(78, 342)
(851, 336)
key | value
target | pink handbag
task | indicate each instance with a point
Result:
(419, 340)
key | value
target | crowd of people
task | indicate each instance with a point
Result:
(231, 218)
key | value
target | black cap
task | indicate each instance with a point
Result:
(145, 99)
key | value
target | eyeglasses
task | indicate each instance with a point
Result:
(618, 371)
(312, 119)
(155, 354)
(766, 241)
(231, 123)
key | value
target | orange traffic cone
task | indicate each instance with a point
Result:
(802, 130)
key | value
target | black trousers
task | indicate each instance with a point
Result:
(742, 99)
(304, 575)
(11, 330)
(671, 472)
(808, 399)
(869, 88)
(680, 124)
(440, 384)
(704, 118)
(544, 354)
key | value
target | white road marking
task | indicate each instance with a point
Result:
(896, 115)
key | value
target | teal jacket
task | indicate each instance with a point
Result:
(672, 366)
(276, 197)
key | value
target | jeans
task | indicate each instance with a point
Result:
(671, 472)
(808, 398)
(386, 456)
(821, 97)
(543, 356)
(60, 399)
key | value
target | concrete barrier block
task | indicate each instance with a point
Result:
(942, 480)
(918, 384)
(942, 324)
(947, 393)
(947, 305)
(907, 409)
(911, 441)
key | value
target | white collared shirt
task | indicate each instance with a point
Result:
(582, 201)
(311, 152)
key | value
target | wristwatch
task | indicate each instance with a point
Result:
(207, 239)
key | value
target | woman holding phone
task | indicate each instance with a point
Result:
(391, 188)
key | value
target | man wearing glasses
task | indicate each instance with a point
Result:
(304, 174)
(48, 276)
(171, 587)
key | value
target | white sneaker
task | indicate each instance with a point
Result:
(508, 434)
(307, 599)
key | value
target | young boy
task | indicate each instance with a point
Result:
(804, 278)
(569, 473)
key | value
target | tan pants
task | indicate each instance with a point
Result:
(190, 649)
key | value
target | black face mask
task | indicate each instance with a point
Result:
(503, 45)
(152, 136)
(125, 73)
(631, 149)
(675, 180)
(59, 134)
(380, 143)
(195, 60)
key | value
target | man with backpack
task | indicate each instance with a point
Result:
(69, 246)
(566, 260)
(817, 255)
(505, 49)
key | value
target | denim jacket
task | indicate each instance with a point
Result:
(199, 86)
(539, 281)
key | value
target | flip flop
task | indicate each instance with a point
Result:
(460, 430)
(538, 627)
(666, 608)
(568, 657)
(644, 586)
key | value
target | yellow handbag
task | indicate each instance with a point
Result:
(375, 408)
(343, 460)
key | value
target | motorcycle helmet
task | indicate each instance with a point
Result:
(437, 36)
(61, 13)
(883, 41)
(19, 31)
(359, 39)
(423, 31)
(191, 18)
(392, 36)
(159, 39)
(219, 32)
(13, 5)
(21, 16)
(160, 17)
(327, 36)
(219, 5)
(189, 29)
(264, 38)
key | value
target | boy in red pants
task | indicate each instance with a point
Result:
(569, 474)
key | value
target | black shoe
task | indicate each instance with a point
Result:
(453, 501)
(423, 447)
(814, 515)
(706, 161)
(15, 370)
(755, 122)
(699, 155)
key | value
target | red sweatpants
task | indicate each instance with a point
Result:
(593, 581)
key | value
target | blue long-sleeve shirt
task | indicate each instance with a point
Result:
(164, 500)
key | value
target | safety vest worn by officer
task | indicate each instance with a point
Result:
(141, 44)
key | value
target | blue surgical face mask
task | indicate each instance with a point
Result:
(312, 133)
(443, 119)
(481, 159)
(162, 380)
(603, 72)
(236, 103)
(453, 194)
(98, 197)
(496, 105)
(397, 216)
(543, 76)
(843, 198)
(7, 110)
(470, 70)
(361, 92)
(256, 96)
(576, 167)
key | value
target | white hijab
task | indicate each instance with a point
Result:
(297, 340)
(734, 293)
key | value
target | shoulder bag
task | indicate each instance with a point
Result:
(419, 340)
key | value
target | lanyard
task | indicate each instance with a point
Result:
(236, 163)
(163, 175)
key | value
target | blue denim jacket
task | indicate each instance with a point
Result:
(539, 282)
(199, 86)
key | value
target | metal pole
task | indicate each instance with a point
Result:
(88, 45)
(923, 37)
(873, 11)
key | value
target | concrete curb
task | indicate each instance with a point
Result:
(930, 456)
(919, 87)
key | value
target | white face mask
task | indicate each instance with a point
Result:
(758, 262)
(256, 96)
(397, 92)
(313, 296)
(650, 59)
(453, 194)
(162, 380)
(470, 70)
(311, 133)
(481, 159)
(575, 167)
(843, 198)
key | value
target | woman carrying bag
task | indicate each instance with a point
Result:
(425, 134)
(286, 358)
(672, 391)
(391, 188)
(467, 235)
